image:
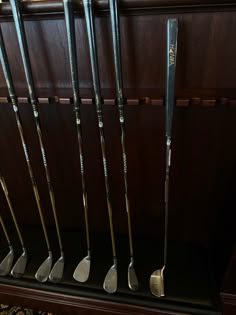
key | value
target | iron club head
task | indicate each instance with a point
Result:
(81, 273)
(43, 272)
(157, 282)
(110, 281)
(18, 269)
(6, 263)
(56, 273)
(132, 278)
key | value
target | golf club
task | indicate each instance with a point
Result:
(6, 263)
(82, 270)
(44, 270)
(56, 273)
(19, 268)
(157, 277)
(132, 278)
(110, 282)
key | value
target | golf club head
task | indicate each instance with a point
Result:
(56, 273)
(110, 282)
(43, 272)
(157, 283)
(81, 273)
(6, 264)
(132, 278)
(18, 269)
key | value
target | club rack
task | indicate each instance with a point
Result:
(87, 187)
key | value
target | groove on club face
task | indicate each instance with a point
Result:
(157, 283)
(43, 272)
(132, 278)
(57, 271)
(18, 269)
(6, 263)
(110, 282)
(81, 273)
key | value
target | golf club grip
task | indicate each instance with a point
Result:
(89, 20)
(6, 68)
(115, 26)
(172, 33)
(20, 30)
(70, 28)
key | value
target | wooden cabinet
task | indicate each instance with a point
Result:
(203, 171)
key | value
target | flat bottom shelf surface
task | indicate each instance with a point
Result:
(189, 280)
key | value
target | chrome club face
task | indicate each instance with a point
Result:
(18, 269)
(6, 263)
(132, 278)
(57, 271)
(110, 282)
(81, 273)
(157, 283)
(43, 272)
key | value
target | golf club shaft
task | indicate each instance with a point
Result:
(5, 231)
(10, 85)
(70, 28)
(120, 102)
(172, 33)
(29, 78)
(4, 187)
(89, 18)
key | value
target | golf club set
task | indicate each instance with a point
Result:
(47, 271)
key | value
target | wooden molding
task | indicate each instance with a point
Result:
(55, 7)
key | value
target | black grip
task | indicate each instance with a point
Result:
(172, 34)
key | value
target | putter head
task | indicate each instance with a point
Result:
(18, 269)
(157, 283)
(56, 273)
(132, 277)
(43, 272)
(6, 264)
(110, 282)
(82, 271)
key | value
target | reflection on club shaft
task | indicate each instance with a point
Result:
(132, 278)
(157, 277)
(33, 99)
(111, 285)
(11, 89)
(82, 271)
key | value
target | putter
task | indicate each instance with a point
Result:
(132, 278)
(6, 263)
(18, 269)
(82, 270)
(157, 278)
(44, 270)
(56, 273)
(110, 282)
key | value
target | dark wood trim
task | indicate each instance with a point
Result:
(228, 294)
(61, 303)
(56, 7)
(180, 102)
